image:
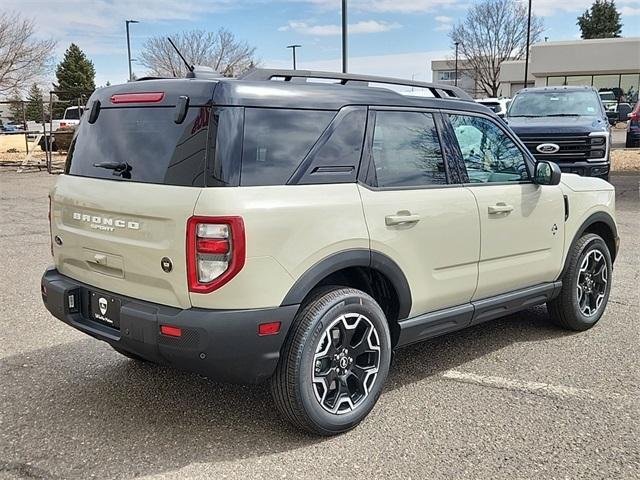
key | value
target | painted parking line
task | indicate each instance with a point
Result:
(534, 388)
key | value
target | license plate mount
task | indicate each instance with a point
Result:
(105, 309)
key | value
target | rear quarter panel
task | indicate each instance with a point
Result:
(288, 229)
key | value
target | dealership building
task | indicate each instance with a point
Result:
(606, 64)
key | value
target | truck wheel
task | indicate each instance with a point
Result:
(585, 286)
(132, 356)
(334, 362)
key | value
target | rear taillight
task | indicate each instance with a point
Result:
(50, 232)
(141, 97)
(215, 251)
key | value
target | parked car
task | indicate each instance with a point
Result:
(498, 105)
(70, 119)
(12, 127)
(566, 125)
(298, 232)
(633, 128)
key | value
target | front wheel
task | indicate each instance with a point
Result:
(334, 362)
(585, 286)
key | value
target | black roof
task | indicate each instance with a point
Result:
(298, 89)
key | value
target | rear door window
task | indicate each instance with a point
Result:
(406, 150)
(276, 141)
(154, 148)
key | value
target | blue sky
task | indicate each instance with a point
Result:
(387, 37)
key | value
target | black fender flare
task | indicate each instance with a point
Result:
(352, 258)
(598, 217)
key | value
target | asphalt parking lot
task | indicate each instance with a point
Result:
(513, 398)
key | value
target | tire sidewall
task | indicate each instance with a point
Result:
(592, 244)
(351, 303)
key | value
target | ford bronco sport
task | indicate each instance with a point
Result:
(282, 227)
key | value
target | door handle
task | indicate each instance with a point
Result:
(500, 207)
(403, 217)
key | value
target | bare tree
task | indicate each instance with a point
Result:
(219, 50)
(23, 58)
(492, 32)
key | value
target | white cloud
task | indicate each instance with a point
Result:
(369, 26)
(444, 23)
(630, 11)
(401, 65)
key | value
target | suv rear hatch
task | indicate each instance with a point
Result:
(132, 179)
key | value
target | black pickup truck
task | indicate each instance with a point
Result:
(566, 125)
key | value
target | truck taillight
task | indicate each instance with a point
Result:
(50, 232)
(215, 251)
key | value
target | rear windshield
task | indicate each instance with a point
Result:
(147, 142)
(550, 103)
(73, 114)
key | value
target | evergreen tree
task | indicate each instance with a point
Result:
(15, 107)
(602, 21)
(34, 109)
(76, 78)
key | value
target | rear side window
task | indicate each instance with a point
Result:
(147, 141)
(276, 141)
(406, 150)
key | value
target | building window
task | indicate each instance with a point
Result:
(555, 81)
(448, 75)
(629, 86)
(579, 80)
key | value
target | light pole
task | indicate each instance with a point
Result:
(127, 22)
(526, 58)
(456, 72)
(293, 49)
(344, 36)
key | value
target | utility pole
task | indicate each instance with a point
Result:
(293, 49)
(456, 73)
(526, 58)
(127, 22)
(344, 36)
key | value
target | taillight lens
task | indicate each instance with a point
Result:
(215, 251)
(50, 232)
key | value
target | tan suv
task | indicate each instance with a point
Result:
(298, 227)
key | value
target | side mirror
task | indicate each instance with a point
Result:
(547, 173)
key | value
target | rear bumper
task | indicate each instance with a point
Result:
(221, 344)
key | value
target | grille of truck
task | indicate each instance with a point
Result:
(573, 147)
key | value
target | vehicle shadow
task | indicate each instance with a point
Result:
(75, 410)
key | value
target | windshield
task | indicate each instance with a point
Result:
(608, 96)
(72, 114)
(549, 103)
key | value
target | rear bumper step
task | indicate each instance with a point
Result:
(221, 344)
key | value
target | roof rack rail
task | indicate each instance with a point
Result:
(437, 90)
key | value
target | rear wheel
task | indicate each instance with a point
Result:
(334, 362)
(585, 286)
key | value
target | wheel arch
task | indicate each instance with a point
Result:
(370, 271)
(603, 225)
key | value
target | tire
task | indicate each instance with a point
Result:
(580, 305)
(317, 386)
(132, 356)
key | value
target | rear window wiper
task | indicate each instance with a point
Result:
(119, 168)
(527, 116)
(564, 115)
